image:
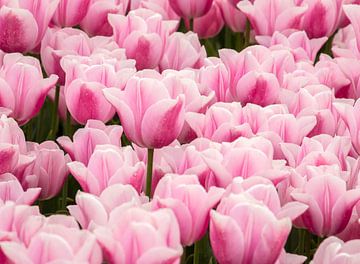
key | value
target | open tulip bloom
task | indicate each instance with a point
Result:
(179, 131)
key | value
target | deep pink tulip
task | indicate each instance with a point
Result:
(143, 33)
(241, 226)
(334, 250)
(190, 203)
(143, 103)
(210, 24)
(49, 169)
(183, 51)
(23, 23)
(96, 20)
(92, 211)
(70, 13)
(109, 165)
(268, 16)
(191, 8)
(233, 17)
(330, 204)
(86, 139)
(23, 88)
(155, 234)
(11, 190)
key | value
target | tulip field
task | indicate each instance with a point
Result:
(179, 131)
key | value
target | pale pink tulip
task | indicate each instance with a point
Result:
(109, 165)
(353, 12)
(23, 23)
(268, 16)
(241, 226)
(86, 139)
(161, 7)
(92, 211)
(23, 88)
(183, 51)
(96, 20)
(11, 190)
(143, 33)
(190, 203)
(70, 13)
(143, 103)
(330, 204)
(334, 250)
(155, 234)
(191, 8)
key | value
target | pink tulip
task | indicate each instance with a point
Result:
(56, 244)
(109, 165)
(11, 133)
(183, 51)
(22, 81)
(241, 226)
(96, 20)
(70, 13)
(268, 16)
(353, 12)
(324, 14)
(155, 234)
(11, 190)
(233, 17)
(161, 7)
(143, 103)
(297, 42)
(144, 38)
(49, 169)
(191, 8)
(86, 139)
(190, 203)
(334, 250)
(210, 24)
(345, 43)
(92, 211)
(330, 204)
(23, 23)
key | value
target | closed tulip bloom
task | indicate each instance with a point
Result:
(86, 139)
(162, 7)
(334, 250)
(96, 20)
(191, 8)
(49, 169)
(233, 17)
(268, 16)
(70, 13)
(109, 165)
(183, 51)
(353, 13)
(241, 226)
(23, 88)
(23, 23)
(190, 203)
(11, 190)
(135, 235)
(92, 211)
(210, 24)
(143, 103)
(330, 204)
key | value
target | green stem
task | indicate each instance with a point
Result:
(68, 128)
(191, 24)
(197, 246)
(247, 34)
(55, 117)
(64, 194)
(228, 38)
(150, 159)
(39, 126)
(210, 49)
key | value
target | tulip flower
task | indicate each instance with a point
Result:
(161, 7)
(70, 13)
(241, 226)
(191, 8)
(23, 88)
(86, 139)
(210, 24)
(134, 235)
(109, 165)
(353, 12)
(233, 17)
(190, 203)
(23, 23)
